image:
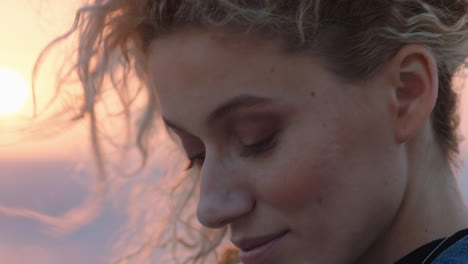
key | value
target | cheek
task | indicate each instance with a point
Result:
(301, 179)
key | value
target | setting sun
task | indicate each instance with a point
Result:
(13, 91)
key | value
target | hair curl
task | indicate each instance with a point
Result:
(353, 38)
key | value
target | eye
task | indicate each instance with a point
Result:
(260, 147)
(200, 158)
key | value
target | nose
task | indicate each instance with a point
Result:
(223, 198)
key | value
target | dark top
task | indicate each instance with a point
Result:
(453, 250)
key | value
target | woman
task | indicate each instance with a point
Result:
(321, 131)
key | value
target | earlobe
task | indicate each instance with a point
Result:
(416, 87)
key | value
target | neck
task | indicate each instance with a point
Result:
(432, 207)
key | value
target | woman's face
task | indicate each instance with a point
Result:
(289, 156)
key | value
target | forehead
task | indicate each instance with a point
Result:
(193, 71)
(195, 38)
(195, 51)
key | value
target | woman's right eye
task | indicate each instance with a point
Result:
(260, 147)
(200, 158)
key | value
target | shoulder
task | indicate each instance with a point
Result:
(449, 250)
(456, 251)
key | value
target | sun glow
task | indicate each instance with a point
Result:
(13, 92)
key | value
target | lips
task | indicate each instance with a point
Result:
(253, 250)
(251, 243)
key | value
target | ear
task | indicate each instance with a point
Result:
(414, 77)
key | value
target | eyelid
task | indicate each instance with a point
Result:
(246, 151)
(265, 128)
(253, 128)
(260, 147)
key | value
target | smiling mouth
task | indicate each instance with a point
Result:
(253, 251)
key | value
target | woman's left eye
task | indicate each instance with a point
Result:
(258, 148)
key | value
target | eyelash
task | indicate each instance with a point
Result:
(251, 151)
(248, 151)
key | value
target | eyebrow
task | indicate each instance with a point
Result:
(227, 108)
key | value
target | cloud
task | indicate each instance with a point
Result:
(50, 253)
(57, 195)
(21, 254)
(41, 191)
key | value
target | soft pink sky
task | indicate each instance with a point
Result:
(43, 175)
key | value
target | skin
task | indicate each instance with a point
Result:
(353, 173)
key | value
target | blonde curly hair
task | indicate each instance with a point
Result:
(353, 38)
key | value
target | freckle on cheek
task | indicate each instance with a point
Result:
(297, 191)
(306, 180)
(319, 200)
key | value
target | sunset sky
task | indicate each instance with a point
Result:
(51, 175)
(46, 175)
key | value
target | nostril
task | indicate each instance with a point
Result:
(210, 217)
(217, 210)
